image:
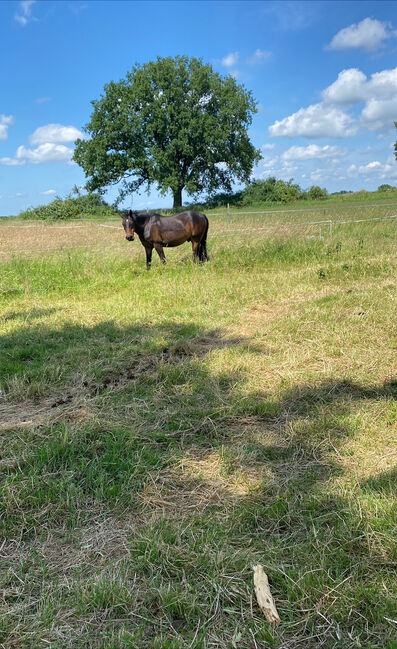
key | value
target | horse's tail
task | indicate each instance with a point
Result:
(202, 247)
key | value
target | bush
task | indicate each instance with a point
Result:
(385, 188)
(270, 190)
(77, 207)
(315, 192)
(222, 199)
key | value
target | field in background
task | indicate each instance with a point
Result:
(34, 237)
(162, 432)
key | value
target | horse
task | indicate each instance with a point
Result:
(158, 232)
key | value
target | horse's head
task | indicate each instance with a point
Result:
(129, 225)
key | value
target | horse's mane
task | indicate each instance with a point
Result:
(141, 217)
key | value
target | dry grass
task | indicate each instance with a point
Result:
(36, 239)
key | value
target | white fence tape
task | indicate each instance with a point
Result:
(359, 206)
(246, 231)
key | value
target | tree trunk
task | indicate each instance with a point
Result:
(178, 198)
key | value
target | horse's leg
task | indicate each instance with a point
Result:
(159, 249)
(195, 248)
(149, 250)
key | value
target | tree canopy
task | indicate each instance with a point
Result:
(173, 123)
(270, 190)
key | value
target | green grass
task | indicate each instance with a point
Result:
(163, 432)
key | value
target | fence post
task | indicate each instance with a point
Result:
(228, 213)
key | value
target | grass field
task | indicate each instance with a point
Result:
(163, 432)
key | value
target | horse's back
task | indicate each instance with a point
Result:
(196, 218)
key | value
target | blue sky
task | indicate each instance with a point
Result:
(324, 75)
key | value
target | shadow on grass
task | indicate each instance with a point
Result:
(28, 314)
(385, 482)
(158, 432)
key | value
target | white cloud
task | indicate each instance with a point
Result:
(375, 170)
(55, 133)
(49, 192)
(42, 100)
(379, 93)
(48, 152)
(383, 84)
(311, 152)
(380, 111)
(349, 88)
(11, 162)
(230, 60)
(269, 163)
(317, 120)
(268, 147)
(368, 34)
(380, 115)
(330, 118)
(259, 56)
(352, 86)
(5, 122)
(25, 12)
(49, 147)
(371, 166)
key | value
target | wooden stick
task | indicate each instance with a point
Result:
(264, 596)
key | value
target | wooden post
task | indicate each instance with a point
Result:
(228, 213)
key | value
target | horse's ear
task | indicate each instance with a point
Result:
(130, 213)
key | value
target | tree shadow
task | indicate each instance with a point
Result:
(28, 314)
(173, 440)
(385, 482)
(160, 378)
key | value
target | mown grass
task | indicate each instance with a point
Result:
(163, 432)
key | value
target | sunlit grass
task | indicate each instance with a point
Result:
(162, 432)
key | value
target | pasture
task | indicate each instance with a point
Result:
(162, 432)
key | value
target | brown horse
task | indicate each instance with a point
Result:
(158, 232)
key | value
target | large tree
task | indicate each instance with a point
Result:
(174, 123)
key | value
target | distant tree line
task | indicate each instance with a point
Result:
(75, 206)
(257, 192)
(271, 190)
